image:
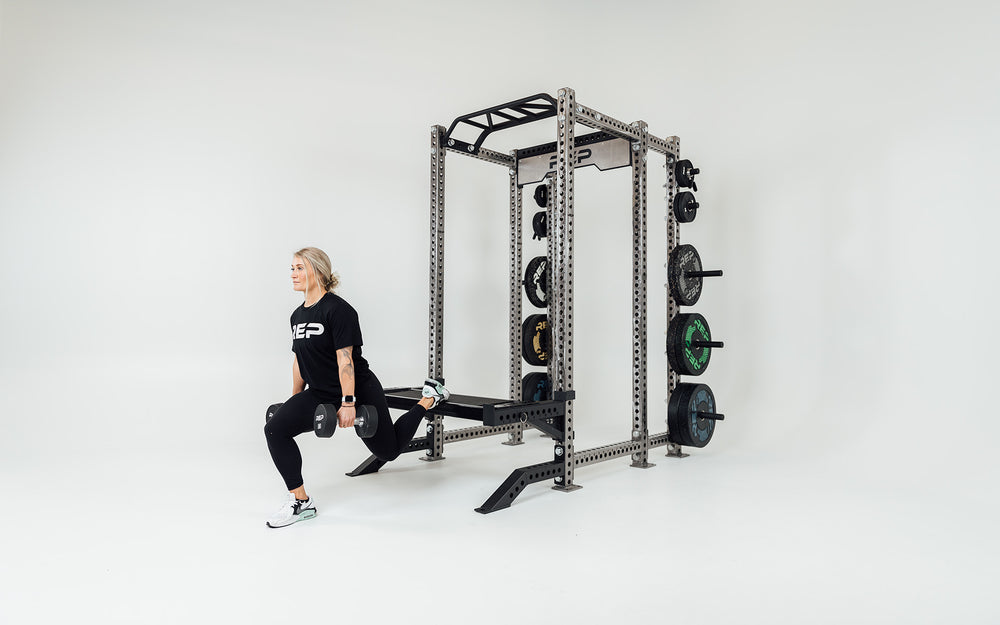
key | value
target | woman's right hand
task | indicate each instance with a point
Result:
(346, 415)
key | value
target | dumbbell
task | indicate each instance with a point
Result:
(365, 423)
(325, 420)
(271, 411)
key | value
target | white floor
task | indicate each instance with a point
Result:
(726, 535)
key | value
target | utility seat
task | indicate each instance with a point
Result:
(461, 406)
(545, 415)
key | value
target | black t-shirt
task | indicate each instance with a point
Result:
(318, 331)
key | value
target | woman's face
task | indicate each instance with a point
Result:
(302, 275)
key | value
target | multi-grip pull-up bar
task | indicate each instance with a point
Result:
(548, 340)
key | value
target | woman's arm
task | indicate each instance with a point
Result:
(345, 365)
(298, 384)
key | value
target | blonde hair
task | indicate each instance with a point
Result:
(321, 265)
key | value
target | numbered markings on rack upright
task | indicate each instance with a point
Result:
(535, 277)
(684, 275)
(536, 339)
(691, 415)
(689, 344)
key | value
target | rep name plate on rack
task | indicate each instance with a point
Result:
(610, 153)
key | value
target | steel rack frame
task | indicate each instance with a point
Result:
(614, 144)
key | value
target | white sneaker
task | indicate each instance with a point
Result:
(292, 511)
(436, 391)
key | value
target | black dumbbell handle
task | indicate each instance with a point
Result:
(703, 274)
(711, 415)
(358, 418)
(706, 344)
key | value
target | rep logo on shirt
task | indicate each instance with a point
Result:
(305, 330)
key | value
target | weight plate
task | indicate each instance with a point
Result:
(271, 411)
(539, 225)
(684, 357)
(325, 420)
(366, 421)
(685, 173)
(536, 387)
(685, 207)
(542, 195)
(684, 288)
(535, 340)
(685, 426)
(535, 276)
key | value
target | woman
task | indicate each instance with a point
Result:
(326, 340)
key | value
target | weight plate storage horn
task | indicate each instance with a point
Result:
(536, 386)
(535, 276)
(685, 207)
(685, 275)
(535, 340)
(689, 344)
(691, 415)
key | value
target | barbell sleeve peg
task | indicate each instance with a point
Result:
(703, 274)
(717, 344)
(711, 415)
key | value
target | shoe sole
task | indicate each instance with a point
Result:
(305, 515)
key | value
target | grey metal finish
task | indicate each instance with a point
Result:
(663, 146)
(640, 428)
(529, 166)
(497, 158)
(562, 325)
(606, 452)
(658, 440)
(466, 434)
(595, 119)
(516, 436)
(435, 364)
(673, 239)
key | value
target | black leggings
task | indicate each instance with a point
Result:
(296, 416)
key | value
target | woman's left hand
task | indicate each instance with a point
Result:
(346, 416)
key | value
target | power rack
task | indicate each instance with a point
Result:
(614, 144)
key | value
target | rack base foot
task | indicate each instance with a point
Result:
(372, 465)
(503, 496)
(568, 489)
(674, 451)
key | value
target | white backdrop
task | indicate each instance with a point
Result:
(160, 161)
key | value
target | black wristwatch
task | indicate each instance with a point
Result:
(348, 399)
